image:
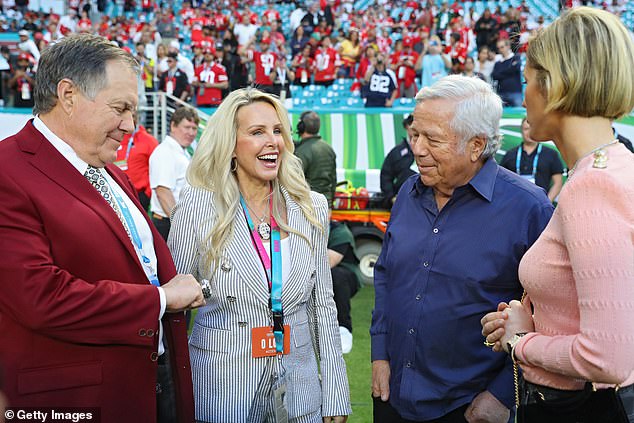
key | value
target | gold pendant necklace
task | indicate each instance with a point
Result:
(600, 157)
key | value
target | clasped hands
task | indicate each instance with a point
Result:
(183, 292)
(498, 327)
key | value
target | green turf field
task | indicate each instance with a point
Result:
(358, 361)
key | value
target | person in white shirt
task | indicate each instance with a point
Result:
(28, 45)
(168, 166)
(69, 21)
(245, 30)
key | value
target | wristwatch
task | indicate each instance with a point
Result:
(510, 345)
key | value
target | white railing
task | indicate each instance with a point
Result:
(155, 112)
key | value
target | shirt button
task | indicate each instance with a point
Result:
(418, 297)
(411, 331)
(426, 264)
(435, 230)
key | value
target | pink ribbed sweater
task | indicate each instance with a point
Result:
(579, 276)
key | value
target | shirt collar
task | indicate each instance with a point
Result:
(483, 182)
(175, 145)
(60, 145)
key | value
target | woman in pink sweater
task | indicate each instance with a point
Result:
(573, 334)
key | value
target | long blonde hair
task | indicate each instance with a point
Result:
(210, 169)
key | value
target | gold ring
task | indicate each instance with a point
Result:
(489, 344)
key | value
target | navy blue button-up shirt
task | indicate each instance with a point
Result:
(438, 274)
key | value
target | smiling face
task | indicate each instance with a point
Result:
(441, 163)
(259, 144)
(98, 126)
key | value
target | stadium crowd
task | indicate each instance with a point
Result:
(201, 51)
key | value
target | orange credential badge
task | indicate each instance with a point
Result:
(263, 341)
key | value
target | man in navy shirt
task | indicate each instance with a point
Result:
(507, 75)
(535, 162)
(451, 251)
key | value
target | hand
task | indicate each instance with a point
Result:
(519, 320)
(389, 102)
(493, 326)
(485, 408)
(335, 419)
(381, 379)
(183, 292)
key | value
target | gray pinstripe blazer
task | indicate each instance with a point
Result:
(225, 375)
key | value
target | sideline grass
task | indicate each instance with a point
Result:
(358, 361)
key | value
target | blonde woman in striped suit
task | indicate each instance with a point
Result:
(250, 225)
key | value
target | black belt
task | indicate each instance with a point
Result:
(531, 393)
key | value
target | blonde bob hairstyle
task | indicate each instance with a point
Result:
(210, 169)
(584, 62)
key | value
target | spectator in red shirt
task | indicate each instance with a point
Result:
(277, 36)
(327, 61)
(457, 51)
(365, 62)
(196, 24)
(133, 158)
(22, 82)
(405, 65)
(211, 79)
(271, 13)
(264, 61)
(84, 24)
(220, 21)
(303, 66)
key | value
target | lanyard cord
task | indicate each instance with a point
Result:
(518, 159)
(272, 270)
(131, 143)
(134, 233)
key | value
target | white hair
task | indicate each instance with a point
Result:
(478, 109)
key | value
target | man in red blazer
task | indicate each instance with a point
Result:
(91, 308)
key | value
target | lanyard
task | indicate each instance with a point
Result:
(138, 244)
(130, 143)
(518, 159)
(273, 271)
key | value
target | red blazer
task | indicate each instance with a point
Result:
(78, 318)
